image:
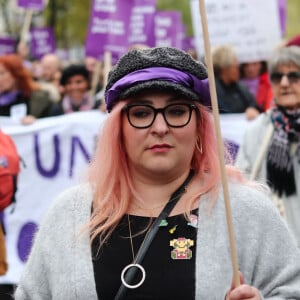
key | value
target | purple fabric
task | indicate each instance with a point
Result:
(190, 81)
(8, 98)
(32, 4)
(251, 84)
(7, 45)
(282, 14)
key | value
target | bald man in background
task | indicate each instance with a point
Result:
(51, 67)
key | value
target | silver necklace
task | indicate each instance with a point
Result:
(133, 264)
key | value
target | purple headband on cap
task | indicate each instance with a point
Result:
(200, 87)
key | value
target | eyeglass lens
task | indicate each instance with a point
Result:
(293, 77)
(175, 115)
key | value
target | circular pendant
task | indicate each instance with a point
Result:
(139, 283)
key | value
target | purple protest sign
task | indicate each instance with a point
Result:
(37, 5)
(282, 14)
(168, 29)
(42, 42)
(142, 23)
(181, 32)
(108, 28)
(7, 45)
(188, 43)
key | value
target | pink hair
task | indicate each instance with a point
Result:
(110, 177)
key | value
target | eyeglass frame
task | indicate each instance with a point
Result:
(293, 77)
(156, 111)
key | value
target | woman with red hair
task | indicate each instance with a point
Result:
(20, 97)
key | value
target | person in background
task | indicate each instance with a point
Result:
(277, 160)
(20, 97)
(50, 67)
(56, 83)
(98, 90)
(255, 77)
(76, 86)
(193, 53)
(153, 203)
(90, 64)
(233, 96)
(23, 50)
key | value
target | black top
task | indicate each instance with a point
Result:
(5, 110)
(166, 278)
(234, 97)
(37, 105)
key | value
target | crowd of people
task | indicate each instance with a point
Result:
(45, 89)
(150, 220)
(241, 87)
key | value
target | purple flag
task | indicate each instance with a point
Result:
(108, 28)
(7, 45)
(42, 41)
(282, 14)
(32, 4)
(168, 29)
(142, 23)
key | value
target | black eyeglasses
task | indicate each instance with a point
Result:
(293, 77)
(175, 115)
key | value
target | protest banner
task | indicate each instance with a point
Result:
(188, 43)
(142, 23)
(56, 152)
(42, 42)
(7, 45)
(108, 28)
(252, 27)
(30, 6)
(168, 29)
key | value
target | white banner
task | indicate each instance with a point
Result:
(252, 27)
(56, 152)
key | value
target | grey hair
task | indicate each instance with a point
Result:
(284, 56)
(223, 57)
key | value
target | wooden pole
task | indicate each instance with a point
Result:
(95, 78)
(106, 68)
(215, 110)
(26, 25)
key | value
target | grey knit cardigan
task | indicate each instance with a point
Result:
(60, 264)
(254, 137)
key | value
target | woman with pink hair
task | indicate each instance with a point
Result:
(150, 222)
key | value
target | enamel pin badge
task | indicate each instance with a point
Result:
(181, 248)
